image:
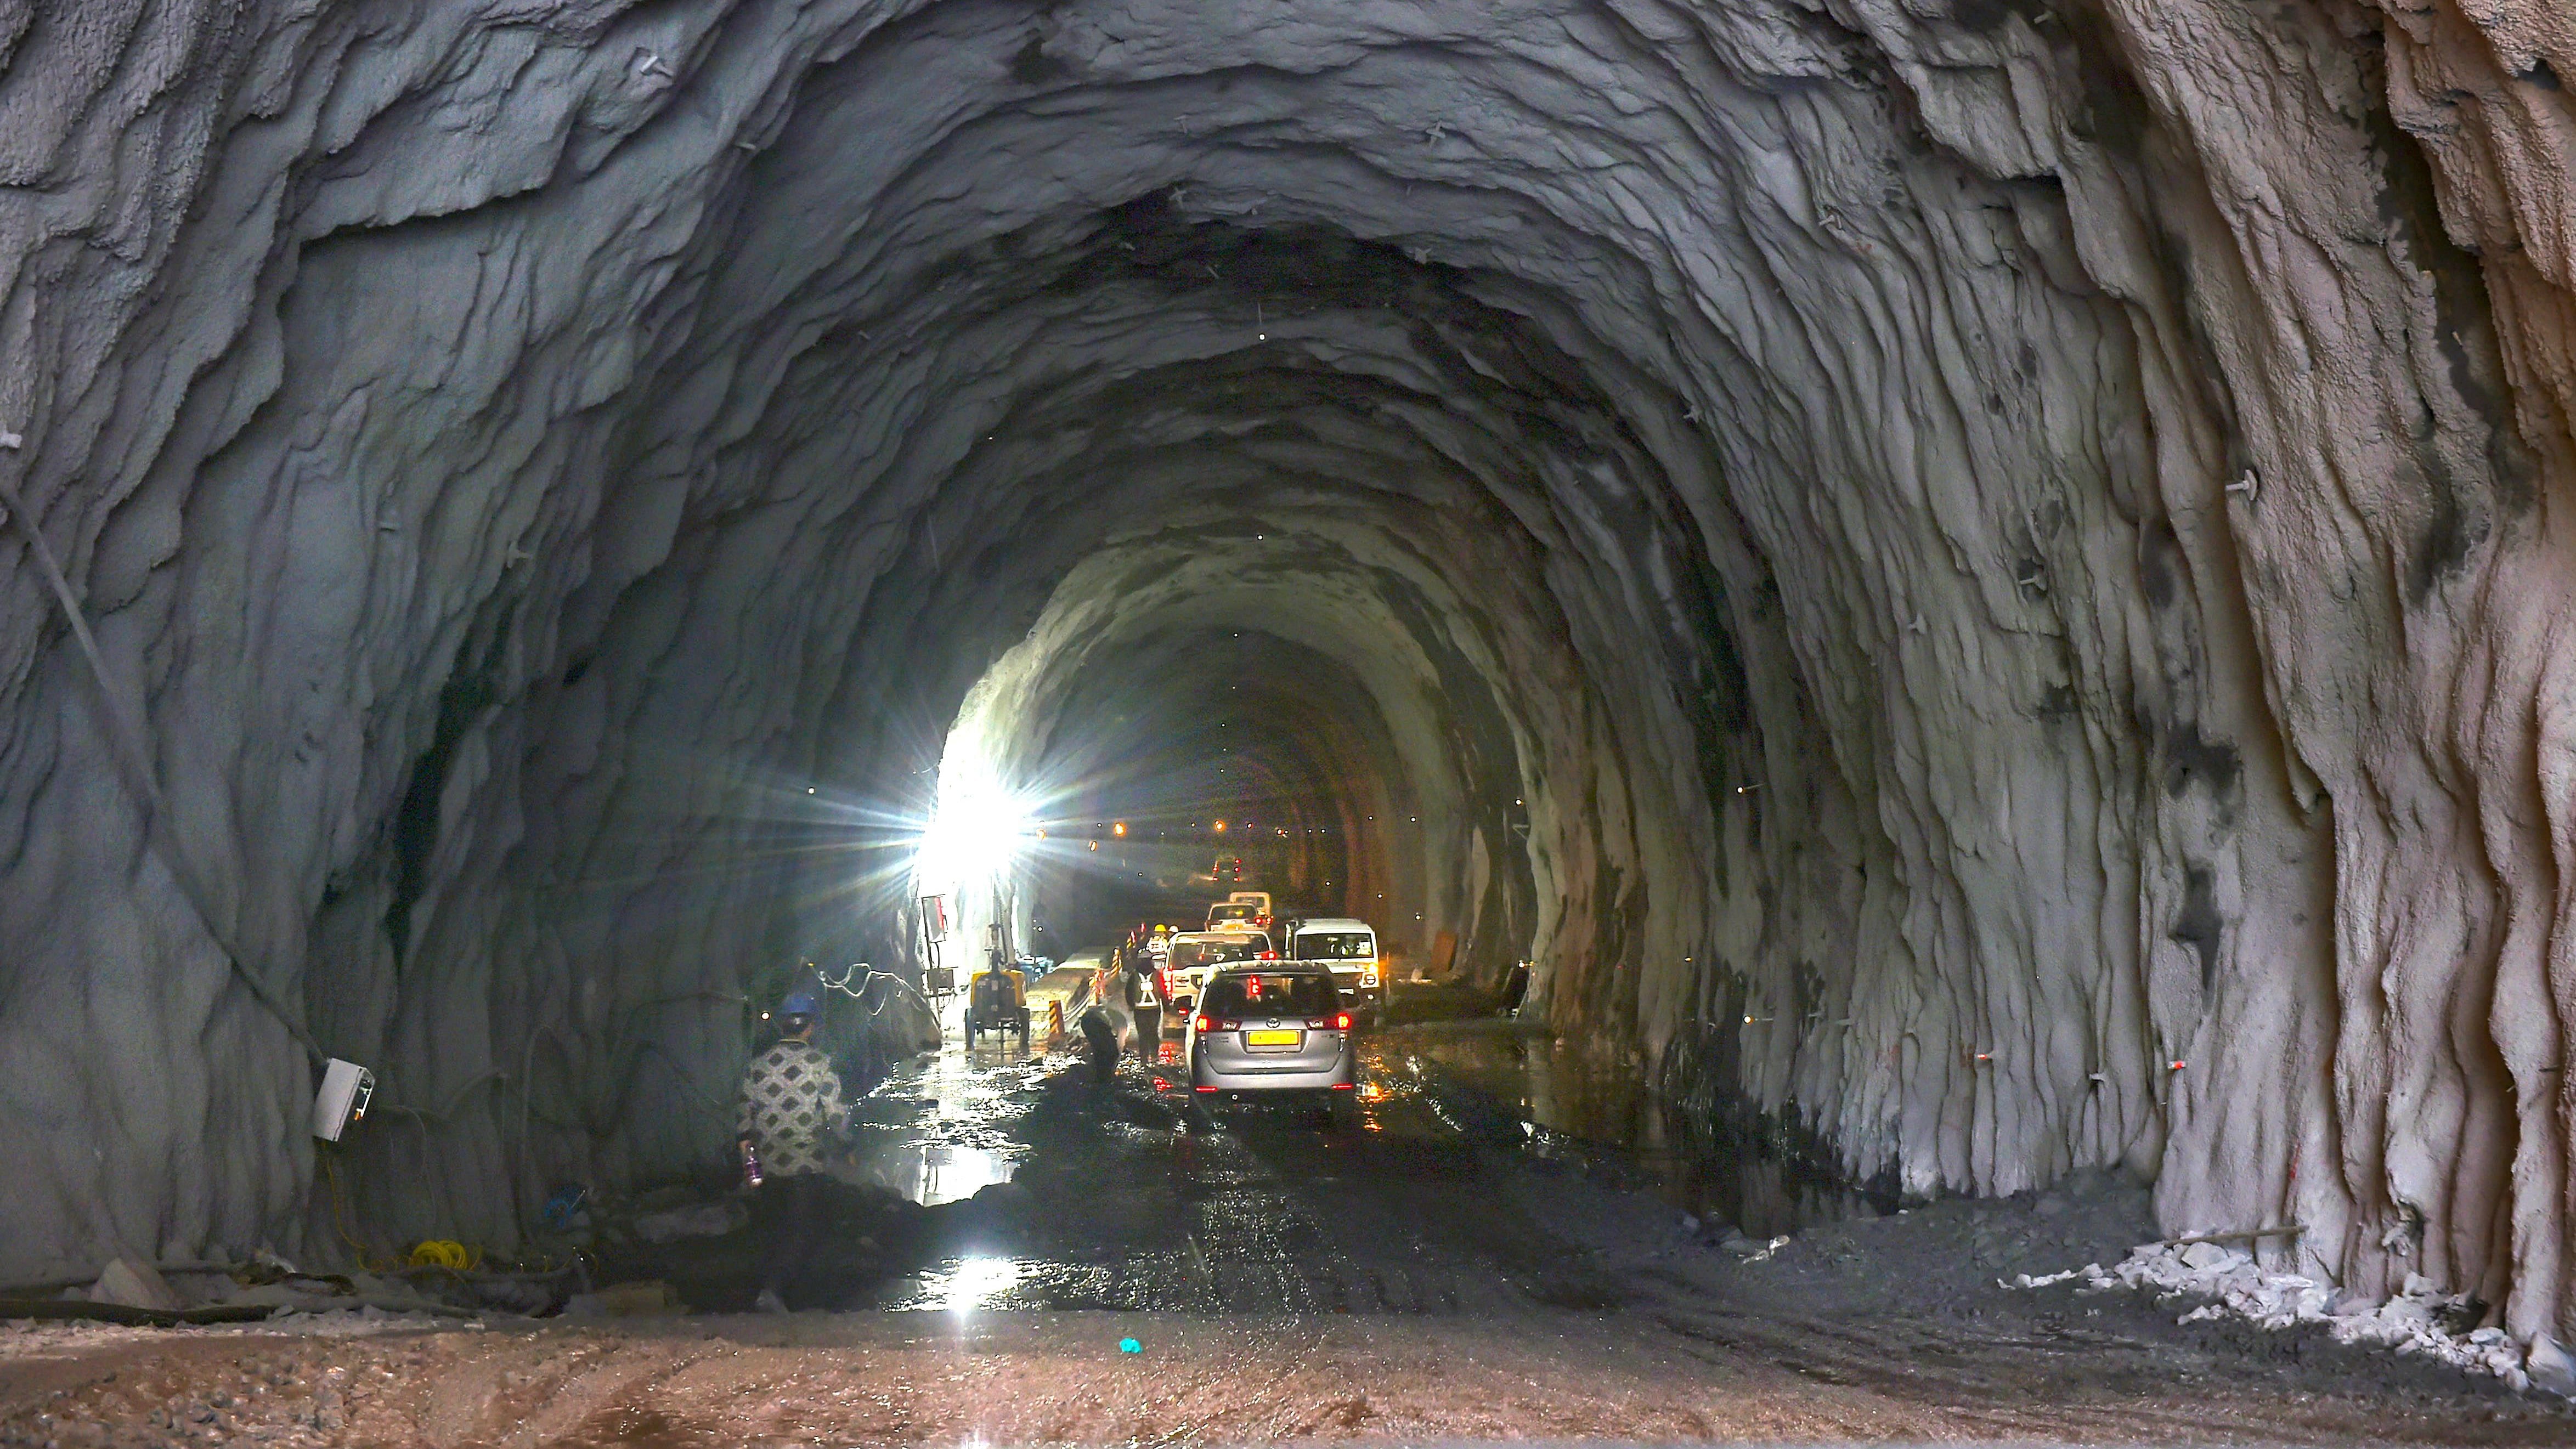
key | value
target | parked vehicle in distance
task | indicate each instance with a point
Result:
(1198, 955)
(1346, 947)
(1275, 1033)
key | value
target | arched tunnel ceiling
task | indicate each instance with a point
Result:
(2011, 547)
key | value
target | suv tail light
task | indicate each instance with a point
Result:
(1269, 956)
(1340, 1021)
(1205, 1023)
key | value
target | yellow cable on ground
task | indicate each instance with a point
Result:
(446, 1253)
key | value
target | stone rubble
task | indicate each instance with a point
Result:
(1752, 1250)
(134, 1284)
(2413, 1322)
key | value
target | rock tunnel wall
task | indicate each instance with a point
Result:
(2012, 543)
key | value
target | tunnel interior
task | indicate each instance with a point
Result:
(1968, 581)
(1213, 748)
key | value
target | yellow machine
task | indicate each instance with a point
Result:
(997, 1001)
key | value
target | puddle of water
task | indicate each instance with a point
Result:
(628, 1427)
(937, 1130)
(1570, 1108)
(931, 1173)
(962, 1285)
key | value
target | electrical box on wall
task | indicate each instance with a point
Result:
(346, 1088)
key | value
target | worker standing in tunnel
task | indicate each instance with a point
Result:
(792, 1111)
(1145, 1005)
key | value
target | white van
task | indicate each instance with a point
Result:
(1197, 955)
(1349, 947)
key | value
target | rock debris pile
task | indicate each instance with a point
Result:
(2419, 1319)
(278, 1394)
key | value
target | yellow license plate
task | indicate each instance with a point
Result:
(1273, 1038)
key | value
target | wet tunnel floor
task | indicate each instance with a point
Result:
(1489, 1252)
(1130, 1196)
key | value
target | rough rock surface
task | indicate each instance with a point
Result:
(1975, 575)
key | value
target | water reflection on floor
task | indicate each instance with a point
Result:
(943, 1129)
(938, 1130)
(963, 1285)
(930, 1173)
(1578, 1109)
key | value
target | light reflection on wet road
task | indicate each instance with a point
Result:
(1132, 1196)
(940, 1131)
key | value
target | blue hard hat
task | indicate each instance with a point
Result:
(800, 1003)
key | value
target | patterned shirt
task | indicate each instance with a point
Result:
(790, 1098)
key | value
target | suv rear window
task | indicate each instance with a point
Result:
(1304, 993)
(1334, 946)
(1186, 954)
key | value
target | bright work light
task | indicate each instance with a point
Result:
(974, 835)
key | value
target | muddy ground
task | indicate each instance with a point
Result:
(1463, 1262)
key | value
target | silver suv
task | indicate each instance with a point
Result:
(1273, 1032)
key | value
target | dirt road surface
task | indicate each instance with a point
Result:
(1449, 1267)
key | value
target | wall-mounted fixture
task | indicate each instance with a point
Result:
(342, 1102)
